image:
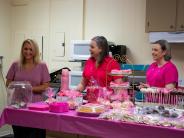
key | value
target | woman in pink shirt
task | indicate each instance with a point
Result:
(31, 69)
(99, 65)
(161, 73)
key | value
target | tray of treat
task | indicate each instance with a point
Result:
(160, 110)
(88, 114)
(124, 85)
(174, 91)
(120, 72)
(90, 109)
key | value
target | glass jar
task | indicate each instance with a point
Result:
(19, 94)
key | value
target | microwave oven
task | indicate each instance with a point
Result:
(79, 50)
(74, 79)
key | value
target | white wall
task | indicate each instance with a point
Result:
(30, 21)
(5, 35)
(65, 16)
(177, 51)
(121, 21)
(47, 18)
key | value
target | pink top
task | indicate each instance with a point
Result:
(161, 76)
(101, 72)
(38, 75)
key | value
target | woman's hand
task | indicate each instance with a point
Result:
(40, 88)
(143, 85)
(82, 85)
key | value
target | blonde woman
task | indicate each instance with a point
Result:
(30, 68)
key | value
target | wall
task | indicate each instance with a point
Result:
(47, 19)
(121, 21)
(5, 35)
(178, 58)
(65, 16)
(30, 20)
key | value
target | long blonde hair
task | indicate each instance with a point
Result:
(36, 58)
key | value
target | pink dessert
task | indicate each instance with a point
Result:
(127, 105)
(59, 107)
(126, 71)
(121, 72)
(123, 84)
(38, 106)
(116, 72)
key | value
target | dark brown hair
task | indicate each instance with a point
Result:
(102, 43)
(165, 47)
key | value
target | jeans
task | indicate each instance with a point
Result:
(27, 132)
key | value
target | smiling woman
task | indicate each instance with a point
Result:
(161, 73)
(96, 67)
(30, 68)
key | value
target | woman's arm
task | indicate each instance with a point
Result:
(8, 82)
(40, 88)
(82, 85)
(143, 85)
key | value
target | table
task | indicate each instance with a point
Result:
(70, 122)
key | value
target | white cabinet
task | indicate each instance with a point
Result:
(66, 24)
(58, 49)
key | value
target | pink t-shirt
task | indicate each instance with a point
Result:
(161, 76)
(101, 72)
(38, 75)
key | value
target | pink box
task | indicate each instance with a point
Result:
(59, 107)
(38, 106)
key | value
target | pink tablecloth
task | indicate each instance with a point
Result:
(70, 122)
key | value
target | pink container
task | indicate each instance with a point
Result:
(64, 80)
(38, 106)
(59, 107)
(92, 94)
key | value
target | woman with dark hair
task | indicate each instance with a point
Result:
(99, 65)
(161, 73)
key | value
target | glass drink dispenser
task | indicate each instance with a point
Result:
(19, 94)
